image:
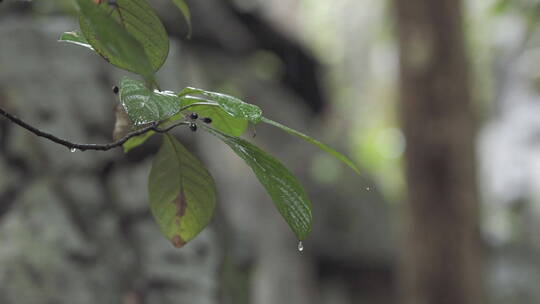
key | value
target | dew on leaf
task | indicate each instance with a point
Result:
(300, 246)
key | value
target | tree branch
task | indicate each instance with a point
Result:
(97, 147)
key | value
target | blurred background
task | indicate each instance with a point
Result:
(438, 102)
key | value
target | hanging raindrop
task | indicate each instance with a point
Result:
(300, 246)
(73, 150)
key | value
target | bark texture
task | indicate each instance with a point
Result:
(443, 264)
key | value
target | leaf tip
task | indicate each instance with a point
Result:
(354, 168)
(177, 241)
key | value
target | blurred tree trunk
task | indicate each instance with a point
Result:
(443, 258)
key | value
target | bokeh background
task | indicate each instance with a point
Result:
(75, 227)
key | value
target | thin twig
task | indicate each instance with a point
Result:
(97, 147)
(171, 127)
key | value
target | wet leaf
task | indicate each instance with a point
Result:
(75, 37)
(136, 42)
(145, 106)
(221, 120)
(288, 195)
(315, 142)
(139, 19)
(232, 105)
(182, 192)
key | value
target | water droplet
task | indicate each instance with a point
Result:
(300, 246)
(73, 150)
(368, 188)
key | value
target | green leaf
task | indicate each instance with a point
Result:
(182, 192)
(182, 6)
(139, 19)
(75, 37)
(315, 142)
(136, 141)
(135, 42)
(145, 106)
(221, 120)
(288, 195)
(232, 105)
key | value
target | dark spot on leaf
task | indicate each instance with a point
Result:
(177, 241)
(181, 204)
(207, 120)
